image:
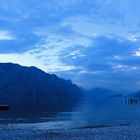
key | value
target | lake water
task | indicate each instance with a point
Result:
(89, 112)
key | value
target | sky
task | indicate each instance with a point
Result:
(95, 43)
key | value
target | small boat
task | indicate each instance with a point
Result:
(4, 107)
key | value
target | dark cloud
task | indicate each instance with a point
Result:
(20, 44)
(108, 62)
(102, 54)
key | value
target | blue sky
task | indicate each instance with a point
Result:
(92, 42)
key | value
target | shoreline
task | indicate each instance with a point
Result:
(129, 132)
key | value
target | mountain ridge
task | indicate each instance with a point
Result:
(31, 89)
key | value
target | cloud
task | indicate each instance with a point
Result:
(52, 46)
(137, 53)
(46, 51)
(90, 27)
(94, 42)
(15, 42)
(6, 35)
(102, 48)
(108, 62)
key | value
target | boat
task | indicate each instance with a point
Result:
(4, 107)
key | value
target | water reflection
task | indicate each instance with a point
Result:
(105, 111)
(90, 111)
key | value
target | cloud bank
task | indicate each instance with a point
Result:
(94, 42)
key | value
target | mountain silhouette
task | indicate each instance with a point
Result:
(134, 94)
(31, 90)
(101, 92)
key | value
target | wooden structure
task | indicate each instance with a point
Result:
(132, 100)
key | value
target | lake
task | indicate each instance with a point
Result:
(90, 112)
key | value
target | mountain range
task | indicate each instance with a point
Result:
(134, 94)
(29, 89)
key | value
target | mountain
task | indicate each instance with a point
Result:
(101, 92)
(134, 94)
(29, 89)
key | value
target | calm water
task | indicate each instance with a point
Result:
(102, 111)
(89, 112)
